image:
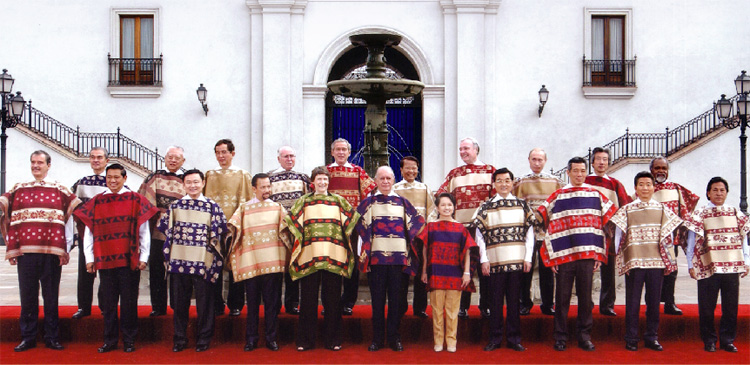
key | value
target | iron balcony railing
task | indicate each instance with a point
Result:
(80, 143)
(609, 72)
(135, 71)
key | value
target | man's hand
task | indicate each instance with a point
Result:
(554, 269)
(90, 268)
(486, 269)
(747, 269)
(597, 265)
(141, 265)
(13, 260)
(64, 259)
(692, 273)
(526, 266)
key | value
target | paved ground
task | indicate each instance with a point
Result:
(686, 288)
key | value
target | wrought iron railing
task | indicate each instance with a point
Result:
(608, 72)
(80, 143)
(135, 71)
(650, 145)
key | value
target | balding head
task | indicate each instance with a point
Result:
(537, 160)
(287, 157)
(384, 179)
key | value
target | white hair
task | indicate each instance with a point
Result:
(473, 141)
(285, 148)
(388, 169)
(182, 150)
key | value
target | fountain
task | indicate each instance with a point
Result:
(376, 89)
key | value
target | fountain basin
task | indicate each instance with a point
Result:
(370, 88)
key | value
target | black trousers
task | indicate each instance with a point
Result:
(351, 284)
(505, 285)
(484, 302)
(581, 272)
(419, 301)
(85, 286)
(182, 286)
(329, 284)
(120, 285)
(635, 279)
(386, 280)
(157, 279)
(268, 287)
(291, 292)
(608, 293)
(35, 269)
(235, 297)
(546, 282)
(708, 292)
(667, 288)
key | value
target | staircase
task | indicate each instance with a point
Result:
(75, 145)
(643, 147)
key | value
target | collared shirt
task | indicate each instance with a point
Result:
(476, 162)
(255, 200)
(347, 164)
(232, 167)
(690, 252)
(529, 240)
(200, 197)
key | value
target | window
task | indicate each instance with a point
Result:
(135, 63)
(608, 61)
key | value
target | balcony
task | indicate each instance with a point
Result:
(135, 77)
(609, 79)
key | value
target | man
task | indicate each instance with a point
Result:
(39, 258)
(643, 235)
(192, 227)
(228, 186)
(682, 202)
(258, 258)
(534, 188)
(718, 256)
(386, 229)
(86, 188)
(420, 196)
(352, 183)
(505, 237)
(574, 248)
(615, 192)
(116, 243)
(471, 185)
(287, 186)
(161, 188)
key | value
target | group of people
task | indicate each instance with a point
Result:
(315, 234)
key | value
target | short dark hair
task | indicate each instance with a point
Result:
(46, 155)
(450, 197)
(641, 175)
(320, 170)
(408, 158)
(226, 141)
(117, 166)
(193, 171)
(502, 170)
(714, 180)
(577, 160)
(259, 176)
(600, 150)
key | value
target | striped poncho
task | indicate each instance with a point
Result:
(447, 244)
(351, 182)
(288, 186)
(161, 188)
(680, 200)
(718, 248)
(534, 189)
(504, 224)
(471, 185)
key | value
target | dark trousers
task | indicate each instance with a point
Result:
(667, 288)
(634, 282)
(505, 285)
(484, 302)
(85, 286)
(385, 280)
(581, 272)
(708, 292)
(608, 293)
(120, 285)
(182, 286)
(330, 286)
(546, 282)
(235, 297)
(351, 288)
(291, 292)
(419, 301)
(267, 286)
(35, 269)
(157, 279)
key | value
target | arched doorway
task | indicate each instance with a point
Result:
(345, 117)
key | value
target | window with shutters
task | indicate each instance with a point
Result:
(608, 60)
(135, 63)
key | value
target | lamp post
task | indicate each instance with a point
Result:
(12, 110)
(543, 94)
(724, 110)
(202, 97)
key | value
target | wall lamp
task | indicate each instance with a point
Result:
(202, 97)
(543, 94)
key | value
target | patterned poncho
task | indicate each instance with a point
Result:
(321, 226)
(387, 227)
(418, 194)
(447, 244)
(87, 187)
(260, 243)
(534, 189)
(614, 191)
(34, 216)
(288, 186)
(575, 218)
(113, 220)
(193, 229)
(503, 224)
(351, 182)
(229, 188)
(471, 185)
(161, 188)
(718, 247)
(680, 200)
(647, 243)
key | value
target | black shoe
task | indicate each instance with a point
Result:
(421, 314)
(524, 311)
(53, 344)
(80, 314)
(560, 345)
(219, 311)
(272, 345)
(348, 311)
(234, 312)
(492, 346)
(710, 347)
(631, 345)
(485, 312)
(374, 347)
(672, 309)
(201, 348)
(292, 310)
(107, 347)
(396, 346)
(586, 345)
(157, 313)
(128, 347)
(550, 311)
(178, 347)
(654, 345)
(25, 345)
(608, 312)
(516, 347)
(250, 346)
(730, 347)
(463, 313)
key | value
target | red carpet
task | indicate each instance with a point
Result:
(678, 334)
